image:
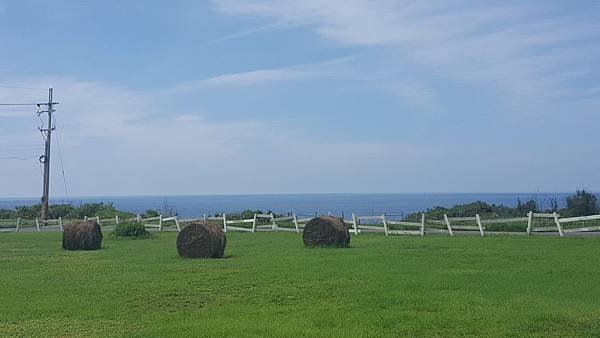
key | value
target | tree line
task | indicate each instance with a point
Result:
(582, 203)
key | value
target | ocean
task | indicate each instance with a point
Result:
(301, 204)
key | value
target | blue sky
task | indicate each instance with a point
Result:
(231, 96)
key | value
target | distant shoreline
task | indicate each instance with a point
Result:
(321, 203)
(288, 194)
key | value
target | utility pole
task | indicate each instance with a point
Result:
(45, 159)
(47, 133)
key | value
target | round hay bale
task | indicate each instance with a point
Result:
(201, 240)
(326, 231)
(85, 235)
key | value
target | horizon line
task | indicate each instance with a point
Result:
(300, 193)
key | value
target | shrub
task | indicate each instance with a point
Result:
(7, 214)
(132, 230)
(523, 208)
(582, 203)
(68, 211)
(150, 213)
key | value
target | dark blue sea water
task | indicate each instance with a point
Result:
(306, 204)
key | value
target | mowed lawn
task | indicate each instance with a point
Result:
(270, 285)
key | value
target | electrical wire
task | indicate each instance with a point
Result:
(18, 87)
(20, 150)
(19, 145)
(41, 169)
(40, 127)
(18, 158)
(24, 104)
(62, 168)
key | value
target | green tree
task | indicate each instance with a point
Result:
(150, 213)
(582, 203)
(526, 207)
(8, 214)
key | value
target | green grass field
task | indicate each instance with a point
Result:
(270, 285)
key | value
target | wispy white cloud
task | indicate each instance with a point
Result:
(264, 76)
(248, 32)
(417, 96)
(113, 143)
(529, 53)
(239, 79)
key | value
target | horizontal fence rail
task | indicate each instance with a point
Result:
(546, 223)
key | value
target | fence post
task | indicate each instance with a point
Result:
(224, 223)
(448, 225)
(60, 223)
(479, 224)
(177, 224)
(84, 218)
(204, 217)
(160, 222)
(385, 227)
(560, 232)
(529, 222)
(254, 223)
(18, 223)
(273, 224)
(117, 219)
(354, 223)
(296, 223)
(98, 220)
(37, 224)
(138, 218)
(422, 224)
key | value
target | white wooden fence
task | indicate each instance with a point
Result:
(474, 224)
(559, 222)
(157, 222)
(229, 224)
(356, 225)
(554, 216)
(578, 219)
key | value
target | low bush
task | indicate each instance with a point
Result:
(132, 230)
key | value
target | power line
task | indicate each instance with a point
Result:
(62, 168)
(18, 158)
(19, 145)
(18, 87)
(27, 104)
(21, 149)
(41, 169)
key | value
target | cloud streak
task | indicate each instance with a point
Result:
(529, 54)
(121, 147)
(248, 32)
(250, 78)
(325, 69)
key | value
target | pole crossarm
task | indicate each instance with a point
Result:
(30, 104)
